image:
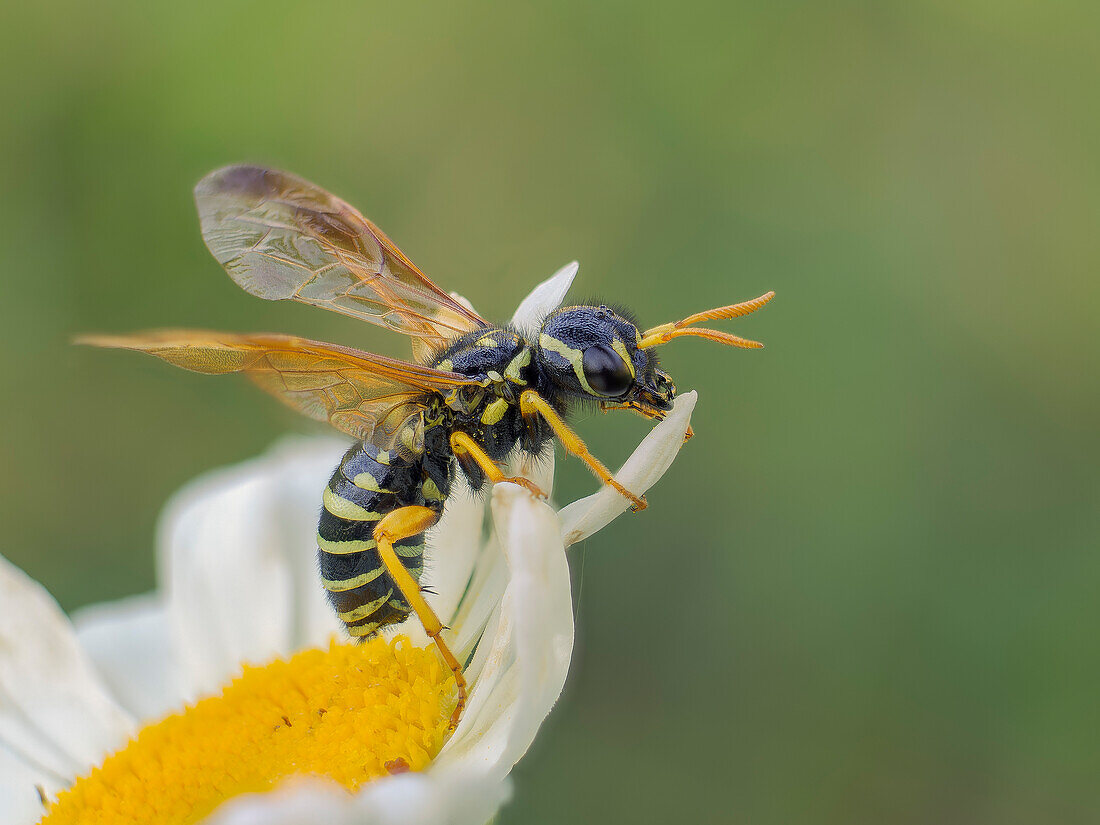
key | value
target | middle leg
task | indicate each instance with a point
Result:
(468, 450)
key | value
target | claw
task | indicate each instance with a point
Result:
(528, 485)
(638, 502)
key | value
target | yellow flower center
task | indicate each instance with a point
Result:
(351, 713)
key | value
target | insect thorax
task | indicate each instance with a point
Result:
(504, 365)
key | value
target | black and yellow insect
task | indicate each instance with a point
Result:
(478, 392)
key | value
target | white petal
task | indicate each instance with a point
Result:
(300, 802)
(409, 799)
(544, 299)
(426, 799)
(464, 301)
(454, 545)
(538, 468)
(303, 466)
(540, 602)
(238, 552)
(466, 569)
(530, 649)
(131, 646)
(642, 470)
(20, 803)
(55, 715)
(478, 607)
(527, 665)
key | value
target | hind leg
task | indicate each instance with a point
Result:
(400, 524)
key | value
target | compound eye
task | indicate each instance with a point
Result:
(606, 371)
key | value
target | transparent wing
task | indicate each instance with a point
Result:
(367, 396)
(280, 237)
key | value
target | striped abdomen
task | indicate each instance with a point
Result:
(368, 484)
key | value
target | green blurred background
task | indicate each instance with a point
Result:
(868, 591)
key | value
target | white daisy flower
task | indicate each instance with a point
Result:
(309, 720)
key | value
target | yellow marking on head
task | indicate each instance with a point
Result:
(365, 481)
(620, 348)
(342, 585)
(364, 610)
(343, 548)
(522, 360)
(431, 491)
(349, 510)
(494, 411)
(574, 356)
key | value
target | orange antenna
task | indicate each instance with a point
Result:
(666, 332)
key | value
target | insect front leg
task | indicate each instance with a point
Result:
(533, 406)
(471, 455)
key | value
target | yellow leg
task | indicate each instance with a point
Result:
(531, 404)
(465, 447)
(397, 525)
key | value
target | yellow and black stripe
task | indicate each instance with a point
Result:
(368, 484)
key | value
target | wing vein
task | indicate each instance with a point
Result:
(277, 234)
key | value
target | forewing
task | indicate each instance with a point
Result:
(367, 396)
(280, 237)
